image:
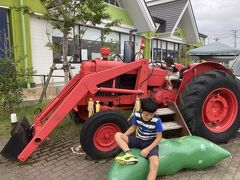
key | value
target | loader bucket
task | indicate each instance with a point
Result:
(21, 135)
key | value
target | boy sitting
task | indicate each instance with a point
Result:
(149, 135)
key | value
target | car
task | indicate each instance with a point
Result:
(235, 66)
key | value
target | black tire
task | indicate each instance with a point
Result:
(90, 127)
(75, 117)
(193, 98)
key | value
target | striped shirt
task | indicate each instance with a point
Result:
(147, 129)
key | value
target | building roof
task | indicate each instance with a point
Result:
(214, 49)
(140, 15)
(202, 35)
(169, 12)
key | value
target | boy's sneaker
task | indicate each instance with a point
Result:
(127, 158)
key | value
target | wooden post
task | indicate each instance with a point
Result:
(52, 68)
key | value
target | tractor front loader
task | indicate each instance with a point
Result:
(204, 99)
(77, 89)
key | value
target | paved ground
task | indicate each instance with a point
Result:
(55, 160)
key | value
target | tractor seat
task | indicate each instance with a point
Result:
(173, 80)
(172, 76)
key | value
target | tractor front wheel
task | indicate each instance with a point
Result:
(97, 134)
(210, 105)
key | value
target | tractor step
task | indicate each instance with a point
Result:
(171, 126)
(164, 111)
(173, 123)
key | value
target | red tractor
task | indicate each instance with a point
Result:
(207, 95)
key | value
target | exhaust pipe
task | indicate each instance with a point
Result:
(21, 135)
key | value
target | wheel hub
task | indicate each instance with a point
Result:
(217, 109)
(220, 110)
(104, 137)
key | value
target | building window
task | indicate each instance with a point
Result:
(113, 2)
(171, 52)
(156, 50)
(111, 40)
(162, 49)
(4, 34)
(74, 51)
(124, 39)
(90, 44)
(57, 52)
(73, 54)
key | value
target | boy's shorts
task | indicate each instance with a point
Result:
(134, 142)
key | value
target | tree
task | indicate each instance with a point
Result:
(12, 83)
(184, 58)
(65, 14)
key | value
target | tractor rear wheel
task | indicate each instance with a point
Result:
(210, 105)
(97, 134)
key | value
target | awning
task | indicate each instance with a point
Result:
(215, 49)
(138, 12)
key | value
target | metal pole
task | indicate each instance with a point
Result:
(44, 83)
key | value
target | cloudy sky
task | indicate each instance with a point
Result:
(218, 19)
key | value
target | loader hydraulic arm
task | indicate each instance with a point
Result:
(69, 97)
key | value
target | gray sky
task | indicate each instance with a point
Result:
(217, 19)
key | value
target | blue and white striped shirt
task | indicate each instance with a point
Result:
(147, 129)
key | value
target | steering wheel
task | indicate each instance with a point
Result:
(160, 64)
(138, 56)
(117, 57)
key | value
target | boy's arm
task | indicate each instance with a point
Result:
(155, 142)
(131, 130)
(146, 151)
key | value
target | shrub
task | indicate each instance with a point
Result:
(12, 83)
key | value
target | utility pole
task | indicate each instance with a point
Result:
(235, 37)
(216, 39)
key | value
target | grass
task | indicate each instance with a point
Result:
(66, 128)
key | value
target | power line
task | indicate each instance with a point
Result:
(217, 34)
(224, 37)
(227, 37)
(235, 37)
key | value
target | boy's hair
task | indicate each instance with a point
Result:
(149, 105)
